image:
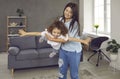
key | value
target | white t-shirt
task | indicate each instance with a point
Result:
(55, 45)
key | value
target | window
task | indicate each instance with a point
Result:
(102, 16)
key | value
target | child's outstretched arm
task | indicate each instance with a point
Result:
(86, 41)
(23, 33)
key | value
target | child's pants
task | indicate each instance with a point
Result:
(71, 60)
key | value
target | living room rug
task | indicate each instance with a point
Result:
(84, 74)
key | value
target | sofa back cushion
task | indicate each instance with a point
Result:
(41, 44)
(25, 42)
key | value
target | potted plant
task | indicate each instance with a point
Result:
(96, 26)
(113, 48)
(20, 12)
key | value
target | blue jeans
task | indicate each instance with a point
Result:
(71, 60)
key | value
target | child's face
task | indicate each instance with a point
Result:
(68, 13)
(56, 32)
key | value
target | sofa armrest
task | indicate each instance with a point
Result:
(13, 50)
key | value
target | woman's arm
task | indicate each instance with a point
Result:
(23, 33)
(86, 41)
(55, 39)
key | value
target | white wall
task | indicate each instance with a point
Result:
(115, 19)
(115, 27)
(81, 14)
(86, 14)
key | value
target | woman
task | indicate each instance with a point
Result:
(70, 51)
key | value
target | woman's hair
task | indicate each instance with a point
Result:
(59, 25)
(75, 16)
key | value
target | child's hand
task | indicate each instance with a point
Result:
(22, 32)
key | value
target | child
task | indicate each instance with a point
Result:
(55, 30)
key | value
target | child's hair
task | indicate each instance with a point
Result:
(59, 25)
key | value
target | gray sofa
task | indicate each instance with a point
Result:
(27, 52)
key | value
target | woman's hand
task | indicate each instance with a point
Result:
(87, 41)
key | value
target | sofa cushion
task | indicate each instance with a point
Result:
(25, 42)
(41, 44)
(45, 52)
(27, 54)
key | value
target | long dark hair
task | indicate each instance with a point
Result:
(75, 17)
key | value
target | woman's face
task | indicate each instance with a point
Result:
(56, 32)
(68, 13)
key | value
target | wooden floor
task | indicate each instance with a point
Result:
(103, 71)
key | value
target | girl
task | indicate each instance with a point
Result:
(55, 30)
(70, 51)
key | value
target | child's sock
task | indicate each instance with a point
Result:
(41, 39)
(52, 54)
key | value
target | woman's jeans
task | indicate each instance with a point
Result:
(71, 60)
